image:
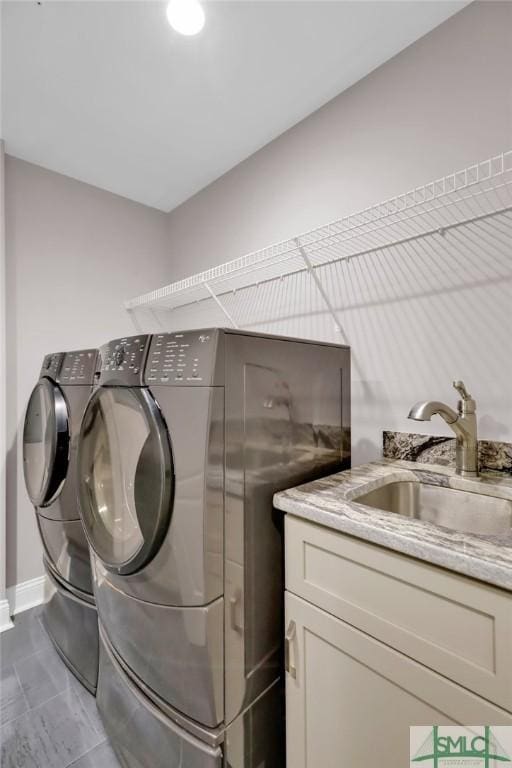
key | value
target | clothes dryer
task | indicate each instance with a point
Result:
(182, 446)
(50, 436)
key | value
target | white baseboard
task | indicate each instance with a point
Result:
(26, 595)
(5, 616)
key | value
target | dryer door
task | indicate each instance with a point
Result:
(126, 477)
(45, 443)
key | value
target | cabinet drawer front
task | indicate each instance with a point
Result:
(456, 626)
(351, 699)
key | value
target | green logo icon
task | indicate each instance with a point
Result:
(442, 749)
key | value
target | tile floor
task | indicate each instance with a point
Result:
(47, 718)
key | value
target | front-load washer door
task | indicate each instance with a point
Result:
(126, 477)
(45, 443)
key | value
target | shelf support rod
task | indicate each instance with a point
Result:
(133, 319)
(220, 304)
(310, 268)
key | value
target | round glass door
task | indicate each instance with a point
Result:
(126, 477)
(45, 443)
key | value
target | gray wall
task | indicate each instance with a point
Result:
(74, 253)
(3, 400)
(440, 105)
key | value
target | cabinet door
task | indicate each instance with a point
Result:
(459, 627)
(350, 699)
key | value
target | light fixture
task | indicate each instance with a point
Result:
(185, 16)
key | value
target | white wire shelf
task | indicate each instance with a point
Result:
(468, 211)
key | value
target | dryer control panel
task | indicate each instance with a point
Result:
(122, 360)
(78, 367)
(185, 358)
(51, 365)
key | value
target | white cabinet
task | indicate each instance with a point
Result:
(352, 693)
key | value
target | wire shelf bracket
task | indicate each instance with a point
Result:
(220, 304)
(310, 268)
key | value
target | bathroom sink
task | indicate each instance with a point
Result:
(460, 510)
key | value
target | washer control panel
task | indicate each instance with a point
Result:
(184, 358)
(78, 367)
(122, 360)
(51, 365)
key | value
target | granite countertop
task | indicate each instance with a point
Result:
(330, 502)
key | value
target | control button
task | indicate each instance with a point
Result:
(118, 356)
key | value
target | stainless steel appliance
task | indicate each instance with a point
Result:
(182, 447)
(50, 436)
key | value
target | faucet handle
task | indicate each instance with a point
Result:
(467, 404)
(461, 389)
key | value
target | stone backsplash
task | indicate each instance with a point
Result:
(493, 457)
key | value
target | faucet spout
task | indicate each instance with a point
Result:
(463, 423)
(425, 410)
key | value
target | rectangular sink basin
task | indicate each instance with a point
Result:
(450, 508)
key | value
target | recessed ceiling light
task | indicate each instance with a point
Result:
(185, 16)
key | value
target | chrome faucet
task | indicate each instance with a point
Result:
(463, 423)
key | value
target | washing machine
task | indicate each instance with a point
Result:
(50, 437)
(182, 446)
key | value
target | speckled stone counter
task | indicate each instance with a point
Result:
(331, 502)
